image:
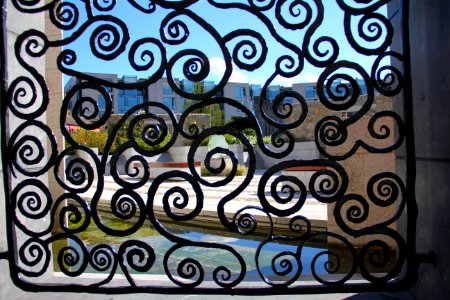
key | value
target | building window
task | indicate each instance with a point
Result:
(255, 90)
(130, 92)
(129, 79)
(311, 92)
(240, 92)
(167, 90)
(209, 85)
(170, 102)
(273, 92)
(288, 100)
(101, 104)
(188, 86)
(126, 103)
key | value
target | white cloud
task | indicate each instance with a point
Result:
(217, 69)
(302, 78)
(238, 76)
(217, 65)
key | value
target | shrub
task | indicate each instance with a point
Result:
(232, 140)
(267, 139)
(205, 141)
(241, 170)
(91, 139)
(145, 146)
(249, 132)
(122, 137)
(240, 123)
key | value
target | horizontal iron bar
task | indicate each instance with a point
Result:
(426, 258)
(4, 255)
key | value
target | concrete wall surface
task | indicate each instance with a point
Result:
(430, 48)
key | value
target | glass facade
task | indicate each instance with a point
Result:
(167, 90)
(240, 92)
(170, 102)
(310, 91)
(128, 99)
(101, 104)
(182, 105)
(255, 90)
(209, 85)
(288, 100)
(188, 86)
(272, 92)
(129, 79)
(362, 86)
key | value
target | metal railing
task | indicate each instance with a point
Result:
(292, 222)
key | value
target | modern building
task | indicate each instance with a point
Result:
(249, 95)
(122, 99)
(309, 89)
(240, 92)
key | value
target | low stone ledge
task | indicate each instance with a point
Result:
(303, 173)
(158, 168)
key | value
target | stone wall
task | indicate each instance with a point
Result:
(317, 111)
(361, 167)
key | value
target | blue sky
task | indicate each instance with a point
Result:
(141, 25)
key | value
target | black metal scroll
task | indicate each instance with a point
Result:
(45, 225)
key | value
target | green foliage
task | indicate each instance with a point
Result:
(157, 147)
(187, 103)
(245, 124)
(232, 140)
(216, 114)
(214, 110)
(241, 170)
(267, 139)
(98, 139)
(249, 132)
(205, 141)
(199, 88)
(241, 123)
(91, 139)
(122, 137)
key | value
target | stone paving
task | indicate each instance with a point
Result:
(314, 210)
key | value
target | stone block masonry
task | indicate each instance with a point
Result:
(317, 111)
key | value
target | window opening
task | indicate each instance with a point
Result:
(228, 148)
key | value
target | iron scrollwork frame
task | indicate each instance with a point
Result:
(26, 157)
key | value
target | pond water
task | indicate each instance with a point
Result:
(209, 257)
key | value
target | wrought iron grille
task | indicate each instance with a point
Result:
(280, 219)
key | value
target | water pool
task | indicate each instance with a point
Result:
(209, 257)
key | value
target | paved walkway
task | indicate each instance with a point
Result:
(314, 210)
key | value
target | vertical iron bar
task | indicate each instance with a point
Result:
(4, 127)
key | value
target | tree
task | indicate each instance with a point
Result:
(214, 110)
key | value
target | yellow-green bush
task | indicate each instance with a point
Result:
(91, 139)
